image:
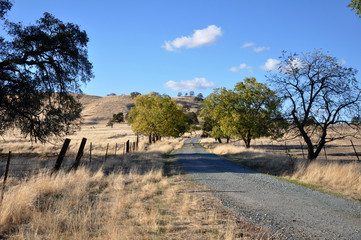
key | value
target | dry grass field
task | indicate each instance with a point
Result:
(30, 156)
(129, 196)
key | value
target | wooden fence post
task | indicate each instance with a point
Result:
(5, 177)
(137, 145)
(79, 155)
(115, 150)
(90, 152)
(106, 152)
(358, 159)
(61, 156)
(286, 148)
(127, 149)
(303, 154)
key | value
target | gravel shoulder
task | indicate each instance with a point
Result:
(290, 211)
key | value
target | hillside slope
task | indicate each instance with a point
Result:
(100, 109)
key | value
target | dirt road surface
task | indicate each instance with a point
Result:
(290, 211)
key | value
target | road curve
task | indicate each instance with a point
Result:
(288, 210)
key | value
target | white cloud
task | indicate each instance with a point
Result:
(275, 65)
(255, 48)
(260, 49)
(241, 67)
(248, 44)
(199, 38)
(271, 65)
(188, 85)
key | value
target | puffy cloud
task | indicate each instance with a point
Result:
(248, 44)
(271, 65)
(274, 65)
(199, 38)
(241, 67)
(188, 85)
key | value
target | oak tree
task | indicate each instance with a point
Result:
(157, 116)
(320, 94)
(248, 112)
(40, 66)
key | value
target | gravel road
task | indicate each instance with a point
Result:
(290, 211)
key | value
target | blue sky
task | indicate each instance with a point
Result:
(172, 46)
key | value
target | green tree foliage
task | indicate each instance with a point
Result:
(191, 118)
(356, 120)
(192, 121)
(199, 97)
(40, 65)
(157, 116)
(320, 94)
(117, 118)
(248, 112)
(211, 112)
(356, 6)
(135, 94)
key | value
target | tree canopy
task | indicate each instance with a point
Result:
(316, 87)
(356, 6)
(157, 116)
(40, 65)
(248, 112)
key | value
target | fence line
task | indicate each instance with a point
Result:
(128, 147)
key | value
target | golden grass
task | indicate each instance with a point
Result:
(256, 159)
(336, 177)
(135, 205)
(332, 176)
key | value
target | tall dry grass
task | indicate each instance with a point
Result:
(332, 176)
(336, 177)
(127, 199)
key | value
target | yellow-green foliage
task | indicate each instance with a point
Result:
(247, 112)
(157, 115)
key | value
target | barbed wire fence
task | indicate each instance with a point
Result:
(20, 167)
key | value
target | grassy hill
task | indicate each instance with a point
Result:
(98, 109)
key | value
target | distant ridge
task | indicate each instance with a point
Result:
(100, 109)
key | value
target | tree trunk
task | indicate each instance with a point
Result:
(247, 142)
(150, 138)
(219, 140)
(227, 139)
(247, 139)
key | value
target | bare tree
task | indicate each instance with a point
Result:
(320, 95)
